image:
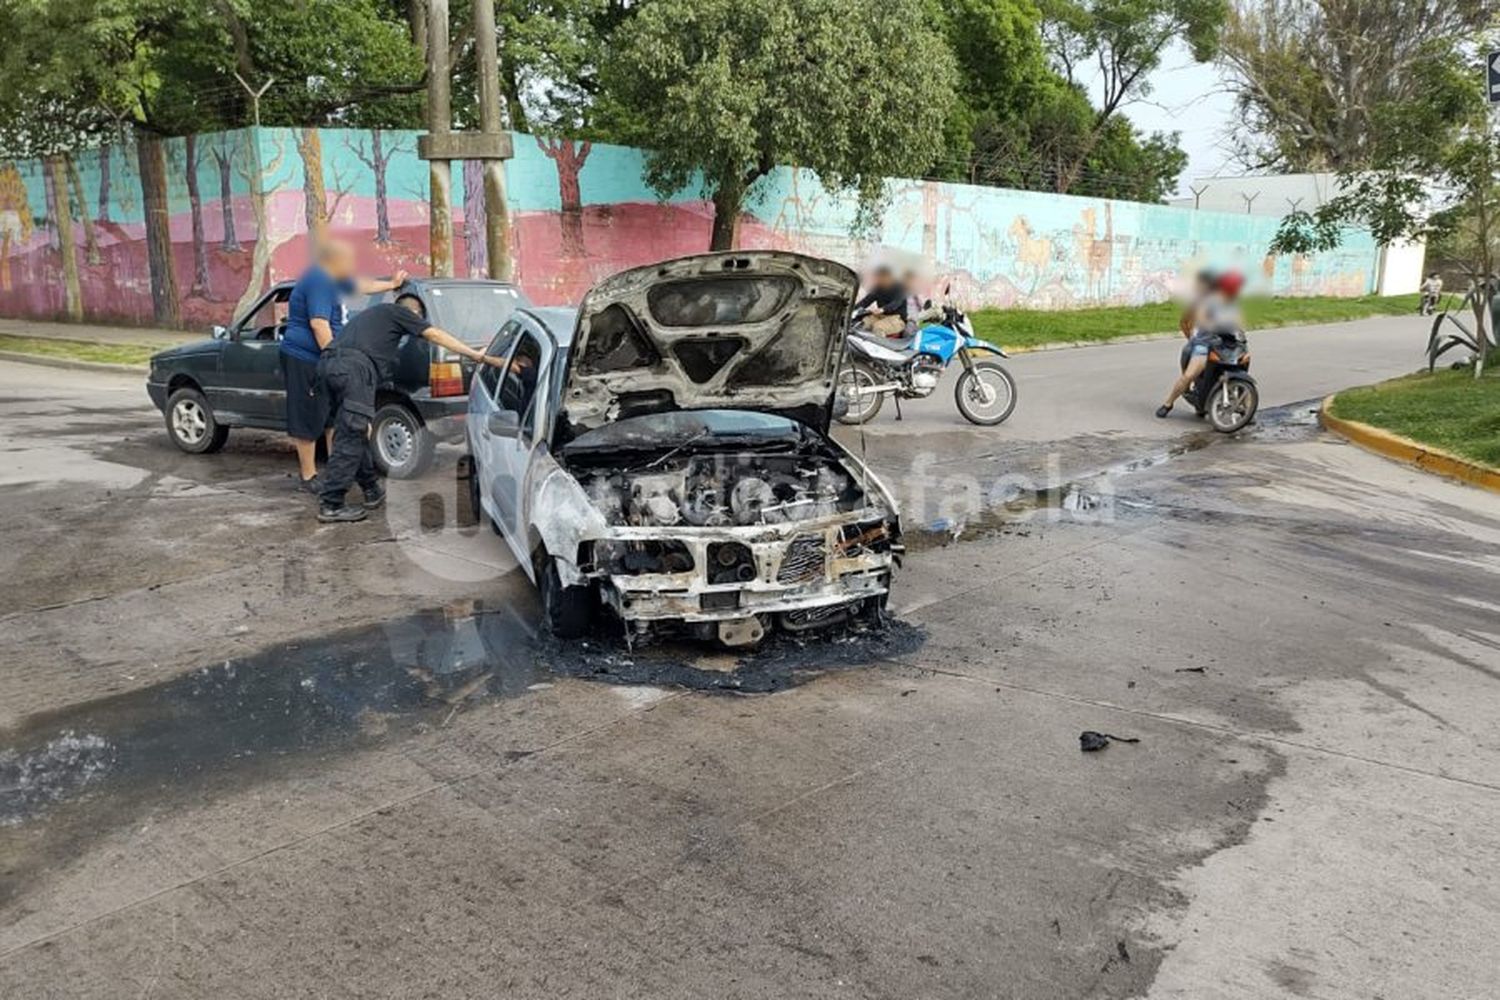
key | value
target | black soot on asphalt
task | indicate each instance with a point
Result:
(356, 688)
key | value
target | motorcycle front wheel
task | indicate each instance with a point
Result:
(985, 394)
(1233, 405)
(855, 383)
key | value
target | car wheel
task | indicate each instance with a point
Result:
(476, 483)
(191, 423)
(570, 612)
(403, 446)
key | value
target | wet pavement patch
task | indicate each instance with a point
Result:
(358, 687)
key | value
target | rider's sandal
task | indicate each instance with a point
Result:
(1162, 411)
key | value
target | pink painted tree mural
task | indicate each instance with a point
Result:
(377, 158)
(200, 285)
(224, 157)
(569, 157)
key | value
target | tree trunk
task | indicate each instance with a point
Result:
(569, 159)
(315, 195)
(378, 160)
(223, 156)
(106, 153)
(151, 155)
(90, 237)
(476, 256)
(72, 290)
(440, 221)
(49, 195)
(728, 196)
(195, 204)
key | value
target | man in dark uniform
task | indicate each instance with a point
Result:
(315, 314)
(364, 355)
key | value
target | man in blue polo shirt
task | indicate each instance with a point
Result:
(315, 315)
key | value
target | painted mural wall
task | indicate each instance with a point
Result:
(182, 232)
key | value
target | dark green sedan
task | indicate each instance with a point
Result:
(234, 379)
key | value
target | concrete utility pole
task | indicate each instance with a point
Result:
(496, 212)
(431, 147)
(441, 145)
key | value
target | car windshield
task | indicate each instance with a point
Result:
(473, 313)
(680, 427)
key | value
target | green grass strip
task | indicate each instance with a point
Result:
(1015, 328)
(1451, 410)
(79, 350)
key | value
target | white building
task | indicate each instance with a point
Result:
(1281, 194)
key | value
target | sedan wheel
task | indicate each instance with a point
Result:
(191, 424)
(402, 446)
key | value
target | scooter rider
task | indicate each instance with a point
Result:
(1215, 312)
(364, 355)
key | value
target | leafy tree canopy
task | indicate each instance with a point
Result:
(854, 90)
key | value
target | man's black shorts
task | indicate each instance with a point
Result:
(307, 412)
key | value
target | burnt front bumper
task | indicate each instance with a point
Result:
(790, 573)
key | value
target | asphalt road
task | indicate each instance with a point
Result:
(245, 755)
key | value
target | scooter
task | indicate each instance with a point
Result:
(1225, 392)
(911, 367)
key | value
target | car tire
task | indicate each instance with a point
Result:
(475, 485)
(570, 612)
(401, 443)
(191, 423)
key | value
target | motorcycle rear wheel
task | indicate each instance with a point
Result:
(1232, 405)
(985, 394)
(862, 406)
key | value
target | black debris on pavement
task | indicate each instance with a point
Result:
(1090, 741)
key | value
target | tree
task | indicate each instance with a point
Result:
(1314, 79)
(224, 157)
(195, 208)
(15, 218)
(1019, 123)
(1124, 40)
(378, 158)
(1420, 182)
(722, 91)
(569, 156)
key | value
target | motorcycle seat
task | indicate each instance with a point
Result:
(900, 344)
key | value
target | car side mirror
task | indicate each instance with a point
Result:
(504, 423)
(221, 332)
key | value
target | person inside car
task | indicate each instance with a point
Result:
(315, 315)
(884, 305)
(1216, 311)
(363, 356)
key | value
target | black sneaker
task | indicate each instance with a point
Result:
(374, 497)
(313, 485)
(347, 514)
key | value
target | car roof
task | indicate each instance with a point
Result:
(558, 321)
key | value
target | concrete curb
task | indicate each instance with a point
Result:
(1408, 451)
(73, 363)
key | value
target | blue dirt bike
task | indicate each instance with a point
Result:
(910, 368)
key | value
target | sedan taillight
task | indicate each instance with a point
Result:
(445, 378)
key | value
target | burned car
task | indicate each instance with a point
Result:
(663, 452)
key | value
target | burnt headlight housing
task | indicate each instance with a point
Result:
(635, 558)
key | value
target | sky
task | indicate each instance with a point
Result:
(1189, 98)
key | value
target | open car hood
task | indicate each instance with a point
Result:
(760, 330)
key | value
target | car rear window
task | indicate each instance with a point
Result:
(472, 313)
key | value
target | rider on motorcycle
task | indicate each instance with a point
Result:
(884, 305)
(1432, 290)
(1215, 310)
